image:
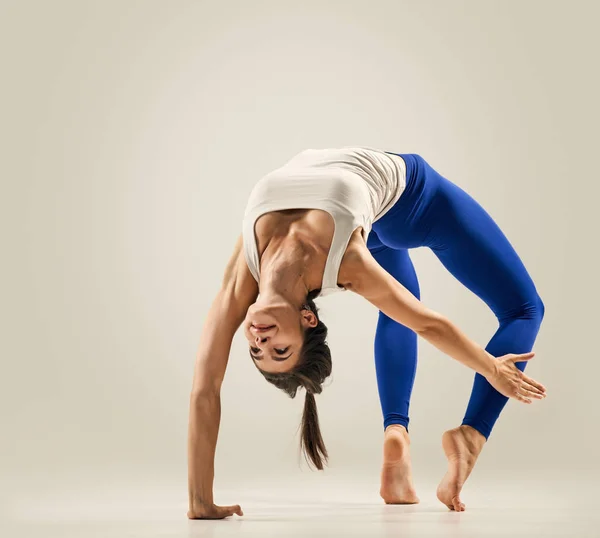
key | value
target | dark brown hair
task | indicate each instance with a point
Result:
(312, 369)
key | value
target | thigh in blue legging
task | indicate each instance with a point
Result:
(433, 212)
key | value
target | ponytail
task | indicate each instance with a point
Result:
(311, 440)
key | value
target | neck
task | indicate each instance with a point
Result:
(284, 271)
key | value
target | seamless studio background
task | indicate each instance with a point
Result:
(132, 133)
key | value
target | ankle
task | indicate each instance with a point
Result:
(396, 445)
(475, 439)
(398, 433)
(396, 428)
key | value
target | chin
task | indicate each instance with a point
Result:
(260, 315)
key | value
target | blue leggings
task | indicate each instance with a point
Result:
(434, 212)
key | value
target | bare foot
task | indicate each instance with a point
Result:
(396, 475)
(462, 446)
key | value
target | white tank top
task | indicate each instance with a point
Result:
(355, 185)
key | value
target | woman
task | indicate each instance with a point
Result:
(345, 219)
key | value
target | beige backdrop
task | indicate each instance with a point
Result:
(131, 135)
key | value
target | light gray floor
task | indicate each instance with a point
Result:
(504, 507)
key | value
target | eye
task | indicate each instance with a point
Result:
(254, 349)
(281, 351)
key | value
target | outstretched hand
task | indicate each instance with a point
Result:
(512, 383)
(212, 511)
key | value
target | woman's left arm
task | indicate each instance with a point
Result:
(363, 275)
(237, 292)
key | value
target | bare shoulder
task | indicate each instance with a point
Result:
(356, 263)
(238, 282)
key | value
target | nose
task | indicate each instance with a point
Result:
(261, 340)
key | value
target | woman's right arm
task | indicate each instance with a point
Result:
(366, 277)
(238, 291)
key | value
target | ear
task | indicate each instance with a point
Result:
(308, 318)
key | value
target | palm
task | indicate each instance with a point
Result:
(512, 383)
(212, 511)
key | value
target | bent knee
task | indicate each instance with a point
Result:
(541, 307)
(534, 309)
(531, 309)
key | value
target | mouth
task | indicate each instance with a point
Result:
(260, 327)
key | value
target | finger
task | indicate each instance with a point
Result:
(222, 511)
(522, 398)
(457, 504)
(233, 509)
(535, 383)
(533, 388)
(525, 391)
(523, 357)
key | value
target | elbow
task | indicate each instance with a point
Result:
(200, 395)
(431, 326)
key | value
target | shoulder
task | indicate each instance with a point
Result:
(238, 282)
(357, 263)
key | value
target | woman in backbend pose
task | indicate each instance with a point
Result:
(345, 219)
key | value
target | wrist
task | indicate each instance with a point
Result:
(491, 366)
(197, 504)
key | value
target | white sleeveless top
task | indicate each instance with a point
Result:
(355, 185)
